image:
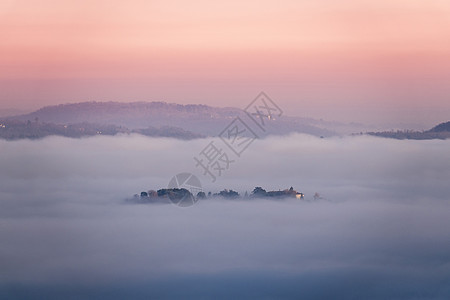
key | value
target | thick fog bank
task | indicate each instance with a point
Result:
(380, 231)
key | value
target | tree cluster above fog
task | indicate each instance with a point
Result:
(162, 195)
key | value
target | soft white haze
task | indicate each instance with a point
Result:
(380, 232)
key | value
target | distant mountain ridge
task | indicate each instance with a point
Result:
(196, 118)
(133, 115)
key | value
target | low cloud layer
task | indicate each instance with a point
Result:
(380, 232)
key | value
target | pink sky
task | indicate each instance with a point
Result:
(348, 60)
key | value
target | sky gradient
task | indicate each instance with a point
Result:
(365, 61)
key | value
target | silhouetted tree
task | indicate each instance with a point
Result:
(228, 194)
(259, 192)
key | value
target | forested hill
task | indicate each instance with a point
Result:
(197, 118)
(443, 127)
(441, 131)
